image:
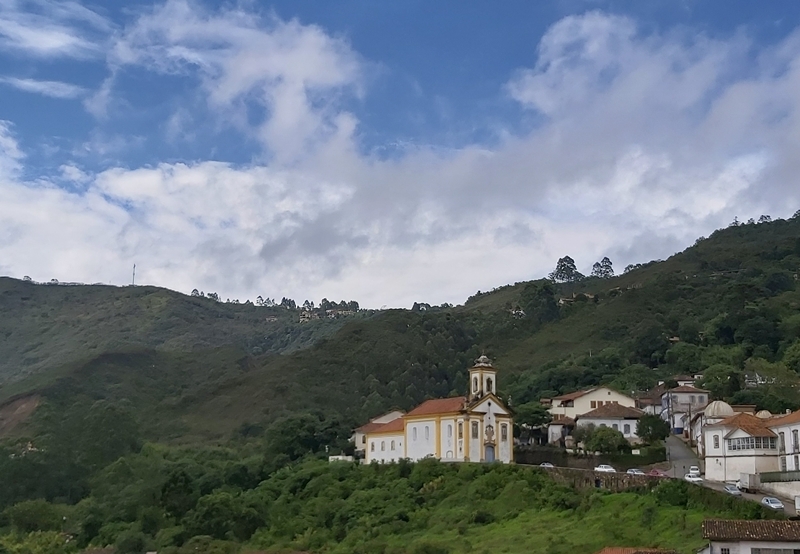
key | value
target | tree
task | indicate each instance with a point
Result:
(565, 271)
(791, 358)
(723, 380)
(27, 279)
(195, 292)
(603, 269)
(532, 414)
(735, 222)
(631, 267)
(651, 428)
(796, 215)
(213, 296)
(764, 219)
(607, 441)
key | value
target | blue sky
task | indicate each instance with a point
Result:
(388, 152)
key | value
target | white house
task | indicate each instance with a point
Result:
(787, 428)
(678, 405)
(760, 536)
(580, 402)
(622, 418)
(742, 443)
(359, 438)
(477, 427)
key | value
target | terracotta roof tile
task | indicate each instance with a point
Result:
(573, 395)
(634, 550)
(750, 424)
(793, 417)
(438, 406)
(394, 426)
(612, 411)
(369, 427)
(687, 388)
(757, 530)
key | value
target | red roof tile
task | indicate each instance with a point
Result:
(613, 411)
(629, 550)
(793, 417)
(369, 427)
(573, 395)
(750, 424)
(394, 426)
(438, 406)
(754, 530)
(687, 388)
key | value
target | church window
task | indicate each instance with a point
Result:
(449, 431)
(504, 432)
(372, 446)
(716, 441)
(414, 434)
(383, 446)
(627, 429)
(427, 432)
(475, 384)
(460, 430)
(489, 385)
(474, 429)
(391, 446)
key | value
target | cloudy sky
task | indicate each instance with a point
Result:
(387, 152)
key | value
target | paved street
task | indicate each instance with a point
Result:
(681, 457)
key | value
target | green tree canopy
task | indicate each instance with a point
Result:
(651, 428)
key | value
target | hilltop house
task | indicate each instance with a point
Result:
(359, 438)
(680, 403)
(580, 402)
(622, 418)
(476, 427)
(740, 443)
(765, 536)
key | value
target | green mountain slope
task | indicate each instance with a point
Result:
(193, 369)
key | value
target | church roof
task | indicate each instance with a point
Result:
(394, 426)
(439, 406)
(370, 427)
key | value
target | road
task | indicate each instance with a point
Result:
(681, 457)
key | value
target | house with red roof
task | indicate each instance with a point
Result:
(473, 428)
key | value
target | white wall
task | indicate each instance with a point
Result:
(448, 431)
(745, 547)
(383, 451)
(615, 423)
(423, 443)
(583, 404)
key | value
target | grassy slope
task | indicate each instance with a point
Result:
(187, 364)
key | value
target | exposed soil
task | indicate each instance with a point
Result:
(17, 411)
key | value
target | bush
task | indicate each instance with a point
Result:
(672, 492)
(34, 515)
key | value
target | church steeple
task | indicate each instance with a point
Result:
(482, 378)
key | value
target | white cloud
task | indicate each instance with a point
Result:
(51, 29)
(54, 89)
(648, 142)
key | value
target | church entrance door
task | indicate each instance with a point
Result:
(489, 457)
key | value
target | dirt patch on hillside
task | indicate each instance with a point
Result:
(17, 411)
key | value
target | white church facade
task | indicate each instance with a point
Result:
(473, 428)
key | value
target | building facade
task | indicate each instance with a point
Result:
(680, 404)
(477, 427)
(580, 402)
(751, 536)
(742, 443)
(622, 418)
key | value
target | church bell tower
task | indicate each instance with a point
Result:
(482, 379)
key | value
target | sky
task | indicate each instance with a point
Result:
(386, 152)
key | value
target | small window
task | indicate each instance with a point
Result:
(783, 463)
(783, 441)
(383, 446)
(701, 399)
(449, 431)
(474, 429)
(488, 385)
(504, 432)
(692, 399)
(593, 404)
(724, 551)
(615, 426)
(391, 446)
(364, 439)
(372, 446)
(474, 384)
(460, 430)
(796, 462)
(627, 429)
(427, 432)
(716, 441)
(414, 434)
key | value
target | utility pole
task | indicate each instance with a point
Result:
(133, 280)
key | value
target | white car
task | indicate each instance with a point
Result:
(635, 471)
(771, 502)
(604, 468)
(546, 465)
(733, 490)
(693, 478)
(694, 470)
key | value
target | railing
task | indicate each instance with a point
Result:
(780, 476)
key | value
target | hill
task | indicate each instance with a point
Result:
(193, 369)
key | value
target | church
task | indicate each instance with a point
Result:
(473, 428)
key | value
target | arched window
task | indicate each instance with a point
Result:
(392, 445)
(449, 454)
(475, 384)
(474, 429)
(503, 432)
(414, 434)
(383, 446)
(716, 441)
(449, 431)
(427, 432)
(372, 446)
(460, 430)
(489, 385)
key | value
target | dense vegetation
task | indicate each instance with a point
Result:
(216, 500)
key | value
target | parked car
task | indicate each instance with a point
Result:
(772, 503)
(657, 473)
(733, 490)
(605, 468)
(694, 470)
(693, 478)
(634, 471)
(546, 465)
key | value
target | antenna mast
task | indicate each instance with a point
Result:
(133, 281)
